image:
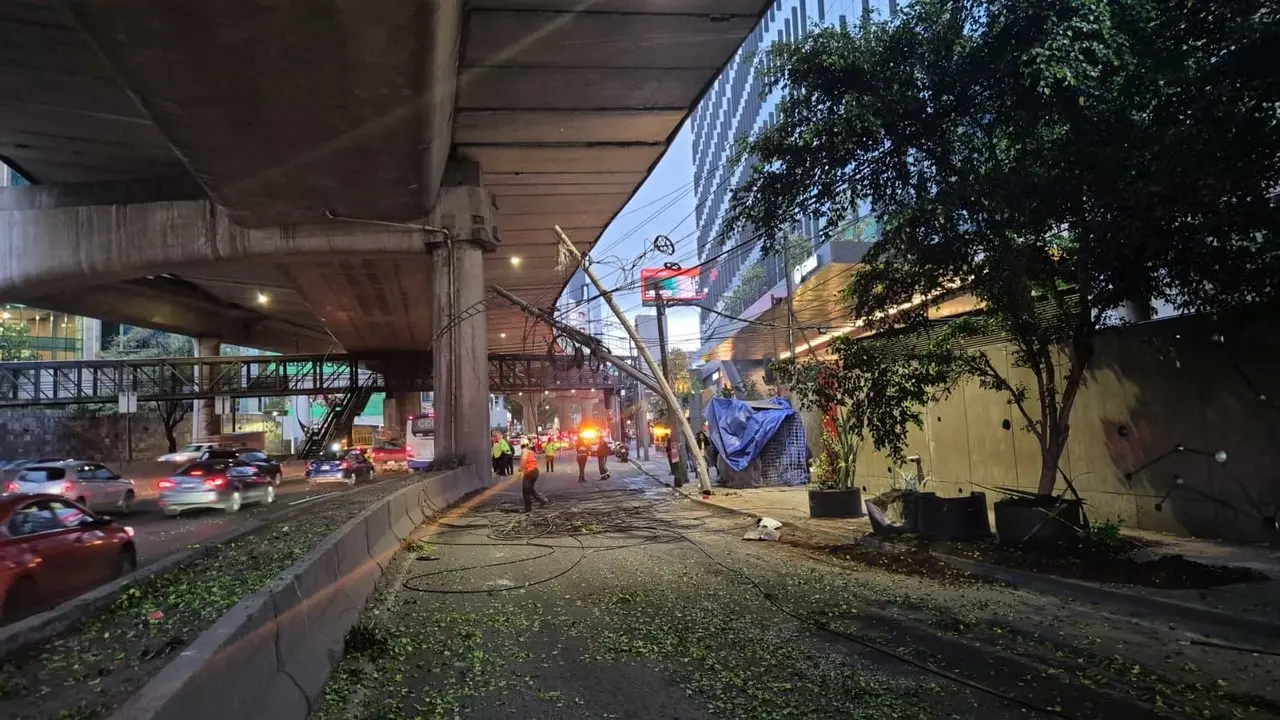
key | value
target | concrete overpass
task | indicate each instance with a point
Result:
(254, 171)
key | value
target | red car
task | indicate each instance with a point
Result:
(52, 549)
(390, 452)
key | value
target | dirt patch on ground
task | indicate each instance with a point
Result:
(1172, 572)
(907, 559)
(89, 670)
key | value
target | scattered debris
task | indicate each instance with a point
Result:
(765, 529)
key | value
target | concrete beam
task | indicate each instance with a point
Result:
(43, 250)
(132, 304)
(442, 32)
(128, 192)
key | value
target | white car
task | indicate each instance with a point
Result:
(91, 484)
(188, 454)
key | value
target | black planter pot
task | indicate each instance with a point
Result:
(835, 503)
(952, 518)
(1043, 521)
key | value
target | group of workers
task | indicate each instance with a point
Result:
(504, 461)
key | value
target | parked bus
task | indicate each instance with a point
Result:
(420, 441)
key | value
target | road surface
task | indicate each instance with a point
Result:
(157, 536)
(623, 600)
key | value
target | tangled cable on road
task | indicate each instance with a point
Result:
(576, 522)
(581, 518)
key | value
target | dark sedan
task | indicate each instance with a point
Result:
(346, 466)
(52, 549)
(264, 462)
(220, 484)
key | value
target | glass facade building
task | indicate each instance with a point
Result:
(733, 109)
(578, 306)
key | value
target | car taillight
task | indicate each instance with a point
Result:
(217, 481)
(409, 453)
(166, 484)
(196, 473)
(346, 465)
(12, 486)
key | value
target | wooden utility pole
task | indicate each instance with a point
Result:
(673, 404)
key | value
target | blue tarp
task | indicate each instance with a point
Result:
(740, 430)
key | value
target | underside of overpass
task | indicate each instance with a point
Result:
(279, 111)
(255, 170)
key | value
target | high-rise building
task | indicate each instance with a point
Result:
(742, 284)
(579, 306)
(647, 329)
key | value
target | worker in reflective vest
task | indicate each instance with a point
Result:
(529, 476)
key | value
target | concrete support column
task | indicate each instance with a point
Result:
(461, 367)
(613, 408)
(531, 401)
(205, 422)
(396, 410)
(563, 406)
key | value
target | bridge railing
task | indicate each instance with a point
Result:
(161, 379)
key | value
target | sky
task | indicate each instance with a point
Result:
(662, 206)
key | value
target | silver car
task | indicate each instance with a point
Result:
(88, 483)
(190, 453)
(220, 484)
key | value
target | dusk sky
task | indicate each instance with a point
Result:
(662, 206)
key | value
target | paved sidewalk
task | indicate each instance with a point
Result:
(1255, 605)
(789, 505)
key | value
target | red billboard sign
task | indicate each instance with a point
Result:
(672, 286)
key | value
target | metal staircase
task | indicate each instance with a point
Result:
(337, 419)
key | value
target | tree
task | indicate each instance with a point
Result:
(867, 390)
(1057, 160)
(15, 342)
(140, 343)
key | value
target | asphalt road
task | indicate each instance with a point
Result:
(157, 536)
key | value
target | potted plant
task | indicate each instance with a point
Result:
(832, 492)
(866, 391)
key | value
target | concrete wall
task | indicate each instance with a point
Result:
(35, 433)
(271, 654)
(1152, 387)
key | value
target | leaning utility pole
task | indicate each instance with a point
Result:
(681, 469)
(579, 337)
(673, 404)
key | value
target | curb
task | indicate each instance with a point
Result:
(870, 543)
(1132, 600)
(1090, 592)
(270, 655)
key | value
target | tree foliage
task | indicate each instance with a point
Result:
(1055, 159)
(140, 343)
(15, 342)
(867, 391)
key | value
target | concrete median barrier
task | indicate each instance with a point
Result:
(271, 654)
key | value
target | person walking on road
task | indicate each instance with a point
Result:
(584, 451)
(528, 478)
(602, 457)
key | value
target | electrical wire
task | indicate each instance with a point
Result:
(575, 523)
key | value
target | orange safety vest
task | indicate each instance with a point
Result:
(529, 461)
